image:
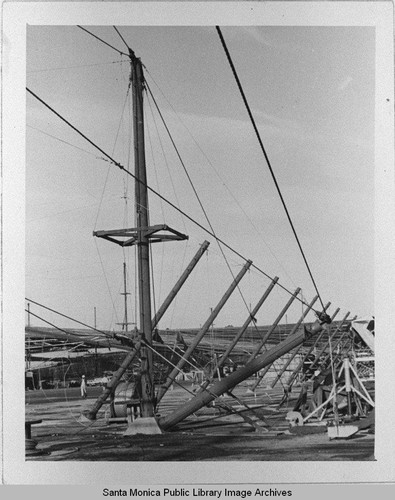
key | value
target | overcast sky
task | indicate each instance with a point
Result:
(311, 91)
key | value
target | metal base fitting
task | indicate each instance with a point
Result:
(85, 418)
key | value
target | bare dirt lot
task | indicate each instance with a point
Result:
(207, 436)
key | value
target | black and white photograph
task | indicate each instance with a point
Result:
(203, 220)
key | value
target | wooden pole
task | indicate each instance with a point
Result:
(125, 294)
(231, 380)
(91, 414)
(347, 380)
(139, 236)
(239, 334)
(73, 337)
(294, 329)
(176, 288)
(274, 325)
(141, 204)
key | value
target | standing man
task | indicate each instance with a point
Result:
(83, 387)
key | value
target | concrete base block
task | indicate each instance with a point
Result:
(143, 425)
(342, 431)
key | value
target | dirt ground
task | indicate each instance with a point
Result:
(209, 435)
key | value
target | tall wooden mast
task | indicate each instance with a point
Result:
(141, 204)
(142, 236)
